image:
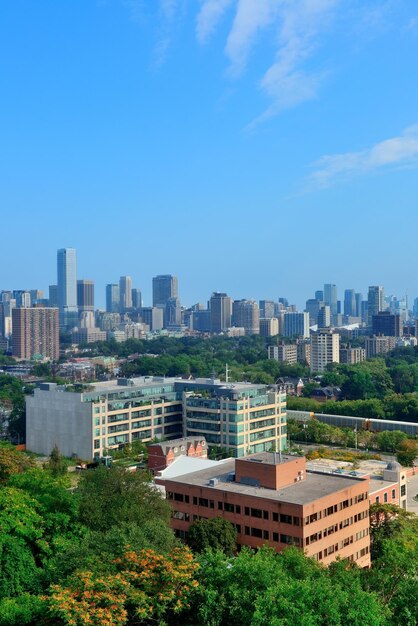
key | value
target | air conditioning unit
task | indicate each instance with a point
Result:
(213, 482)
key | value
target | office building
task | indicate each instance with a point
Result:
(35, 332)
(359, 301)
(388, 324)
(67, 287)
(136, 298)
(241, 417)
(350, 302)
(220, 312)
(246, 314)
(23, 298)
(153, 317)
(330, 298)
(36, 295)
(164, 287)
(85, 295)
(319, 295)
(53, 296)
(267, 308)
(112, 298)
(274, 499)
(172, 313)
(324, 316)
(125, 293)
(269, 327)
(375, 303)
(200, 320)
(296, 325)
(312, 307)
(325, 349)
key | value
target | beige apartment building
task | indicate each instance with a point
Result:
(325, 349)
(35, 332)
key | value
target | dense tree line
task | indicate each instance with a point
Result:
(96, 549)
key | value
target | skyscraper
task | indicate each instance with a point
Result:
(164, 287)
(136, 298)
(375, 302)
(246, 314)
(220, 312)
(67, 287)
(330, 298)
(350, 302)
(125, 293)
(85, 295)
(112, 298)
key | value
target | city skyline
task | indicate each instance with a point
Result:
(146, 289)
(198, 145)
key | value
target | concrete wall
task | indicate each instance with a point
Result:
(57, 417)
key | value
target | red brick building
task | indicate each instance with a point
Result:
(161, 454)
(273, 499)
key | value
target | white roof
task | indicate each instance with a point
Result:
(186, 464)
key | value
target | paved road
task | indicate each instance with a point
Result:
(412, 491)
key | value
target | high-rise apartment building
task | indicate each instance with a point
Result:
(112, 298)
(35, 332)
(164, 287)
(379, 345)
(284, 353)
(246, 314)
(125, 293)
(350, 302)
(375, 302)
(325, 349)
(67, 287)
(85, 295)
(296, 324)
(220, 312)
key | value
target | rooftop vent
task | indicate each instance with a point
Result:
(213, 482)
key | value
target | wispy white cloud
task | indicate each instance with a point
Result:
(400, 151)
(209, 17)
(294, 27)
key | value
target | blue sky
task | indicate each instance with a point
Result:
(258, 147)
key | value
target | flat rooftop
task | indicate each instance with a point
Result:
(314, 487)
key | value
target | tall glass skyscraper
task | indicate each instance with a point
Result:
(67, 287)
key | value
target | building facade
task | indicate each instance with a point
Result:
(273, 499)
(296, 324)
(164, 287)
(220, 312)
(35, 332)
(67, 287)
(246, 314)
(241, 417)
(325, 349)
(85, 295)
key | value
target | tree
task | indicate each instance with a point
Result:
(406, 452)
(57, 464)
(216, 533)
(12, 462)
(108, 496)
(146, 588)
